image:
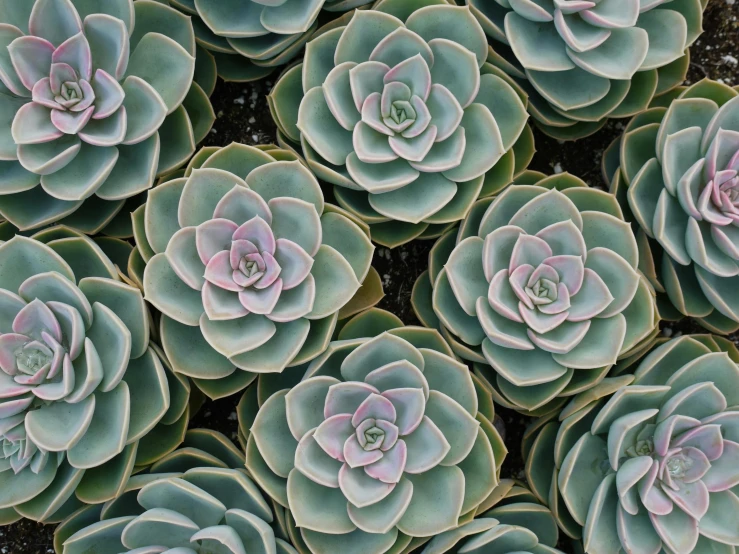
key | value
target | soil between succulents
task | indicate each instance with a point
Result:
(243, 116)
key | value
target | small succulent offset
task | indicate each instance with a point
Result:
(655, 466)
(80, 386)
(249, 38)
(197, 500)
(248, 266)
(97, 99)
(382, 442)
(399, 109)
(543, 285)
(582, 61)
(516, 524)
(680, 165)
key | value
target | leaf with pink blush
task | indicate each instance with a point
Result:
(724, 472)
(9, 388)
(108, 94)
(345, 398)
(241, 204)
(669, 428)
(32, 125)
(221, 304)
(692, 498)
(592, 298)
(541, 322)
(410, 405)
(75, 51)
(214, 236)
(390, 468)
(570, 269)
(258, 232)
(240, 249)
(375, 407)
(219, 272)
(356, 456)
(391, 434)
(561, 304)
(543, 271)
(706, 438)
(31, 59)
(71, 123)
(502, 298)
(427, 447)
(333, 433)
(698, 464)
(60, 389)
(529, 250)
(296, 263)
(261, 301)
(9, 345)
(61, 73)
(244, 280)
(272, 271)
(14, 407)
(654, 500)
(34, 319)
(42, 94)
(518, 279)
(360, 489)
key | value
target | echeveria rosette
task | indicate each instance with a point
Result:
(678, 173)
(582, 61)
(80, 385)
(196, 500)
(514, 522)
(399, 110)
(97, 99)
(541, 283)
(649, 462)
(248, 266)
(249, 38)
(382, 444)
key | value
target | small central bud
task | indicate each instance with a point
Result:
(678, 465)
(373, 435)
(32, 357)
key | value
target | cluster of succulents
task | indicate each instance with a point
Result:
(82, 390)
(401, 112)
(247, 39)
(583, 61)
(143, 276)
(677, 170)
(97, 100)
(541, 290)
(385, 439)
(648, 462)
(248, 266)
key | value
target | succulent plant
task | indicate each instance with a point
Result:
(385, 440)
(648, 462)
(541, 284)
(582, 61)
(676, 169)
(397, 108)
(97, 99)
(80, 385)
(249, 38)
(248, 266)
(516, 524)
(197, 500)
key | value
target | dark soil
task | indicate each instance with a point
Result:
(243, 116)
